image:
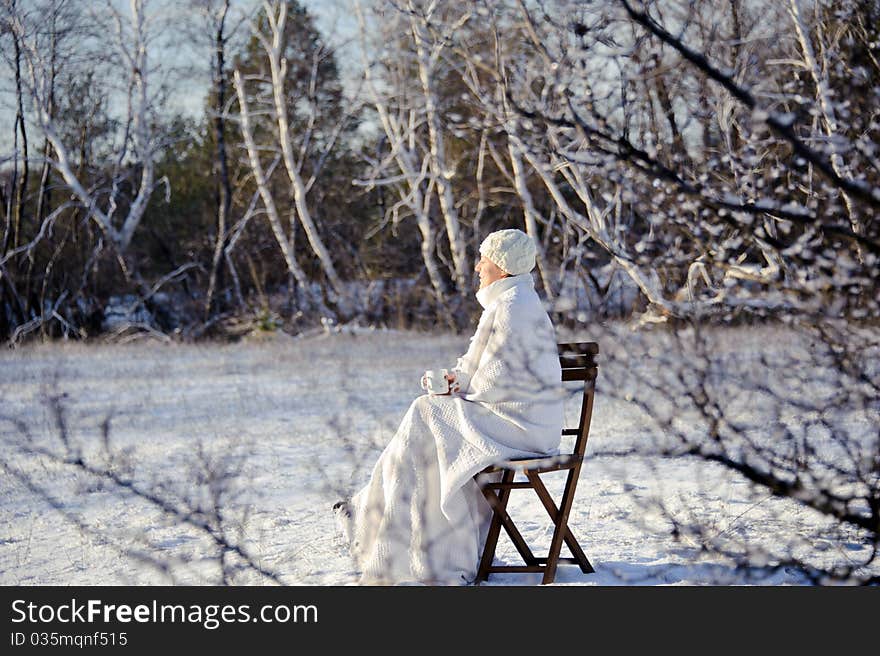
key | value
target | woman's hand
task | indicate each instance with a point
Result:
(450, 378)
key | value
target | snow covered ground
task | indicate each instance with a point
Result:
(300, 423)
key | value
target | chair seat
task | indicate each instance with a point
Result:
(537, 465)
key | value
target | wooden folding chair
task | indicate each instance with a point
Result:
(578, 363)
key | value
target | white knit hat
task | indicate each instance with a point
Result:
(513, 251)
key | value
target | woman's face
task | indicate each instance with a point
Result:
(489, 272)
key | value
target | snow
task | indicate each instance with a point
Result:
(301, 422)
(784, 119)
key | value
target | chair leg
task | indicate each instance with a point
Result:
(561, 526)
(494, 528)
(569, 538)
(512, 531)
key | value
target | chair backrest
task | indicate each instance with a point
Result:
(578, 362)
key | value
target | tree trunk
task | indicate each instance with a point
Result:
(530, 214)
(278, 68)
(441, 171)
(224, 187)
(826, 109)
(44, 194)
(20, 190)
(263, 184)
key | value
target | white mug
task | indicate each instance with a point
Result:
(434, 381)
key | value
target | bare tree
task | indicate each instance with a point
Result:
(262, 181)
(797, 426)
(18, 184)
(469, 56)
(576, 132)
(429, 46)
(216, 15)
(270, 32)
(751, 224)
(823, 95)
(131, 40)
(400, 123)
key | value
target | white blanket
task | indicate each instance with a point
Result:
(421, 517)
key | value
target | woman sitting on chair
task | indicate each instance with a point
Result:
(422, 518)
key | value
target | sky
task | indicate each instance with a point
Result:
(186, 62)
(333, 18)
